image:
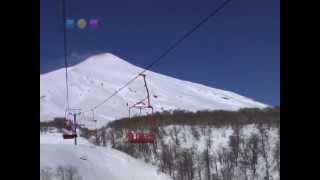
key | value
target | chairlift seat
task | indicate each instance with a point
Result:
(140, 138)
(69, 136)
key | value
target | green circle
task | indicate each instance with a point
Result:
(82, 23)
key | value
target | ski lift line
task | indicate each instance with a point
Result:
(180, 40)
(65, 54)
(167, 51)
(117, 91)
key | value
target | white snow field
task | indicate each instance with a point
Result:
(100, 163)
(96, 78)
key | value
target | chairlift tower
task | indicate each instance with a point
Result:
(95, 125)
(74, 113)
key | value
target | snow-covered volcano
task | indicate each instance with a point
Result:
(96, 78)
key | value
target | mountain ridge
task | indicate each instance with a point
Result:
(96, 78)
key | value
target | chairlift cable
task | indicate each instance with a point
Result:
(167, 51)
(65, 54)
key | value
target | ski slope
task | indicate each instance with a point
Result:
(96, 78)
(100, 163)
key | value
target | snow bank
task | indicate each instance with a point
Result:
(92, 162)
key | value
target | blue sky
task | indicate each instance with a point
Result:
(237, 50)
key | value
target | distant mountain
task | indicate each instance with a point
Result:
(96, 78)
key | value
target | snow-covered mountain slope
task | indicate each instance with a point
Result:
(96, 78)
(92, 162)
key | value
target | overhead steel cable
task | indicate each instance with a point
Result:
(167, 51)
(65, 54)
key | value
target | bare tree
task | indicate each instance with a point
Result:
(167, 159)
(60, 173)
(224, 158)
(199, 166)
(252, 153)
(215, 176)
(234, 143)
(244, 159)
(244, 156)
(276, 154)
(46, 173)
(67, 173)
(112, 138)
(175, 134)
(264, 135)
(72, 173)
(195, 133)
(189, 162)
(207, 159)
(97, 138)
(104, 137)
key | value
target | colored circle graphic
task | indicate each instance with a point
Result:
(82, 23)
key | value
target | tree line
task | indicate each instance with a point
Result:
(217, 118)
(68, 172)
(252, 156)
(245, 157)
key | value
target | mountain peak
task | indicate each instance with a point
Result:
(104, 59)
(96, 78)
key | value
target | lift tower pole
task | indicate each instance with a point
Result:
(75, 123)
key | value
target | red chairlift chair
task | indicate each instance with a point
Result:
(68, 131)
(142, 137)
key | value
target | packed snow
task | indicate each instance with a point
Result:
(96, 78)
(92, 162)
